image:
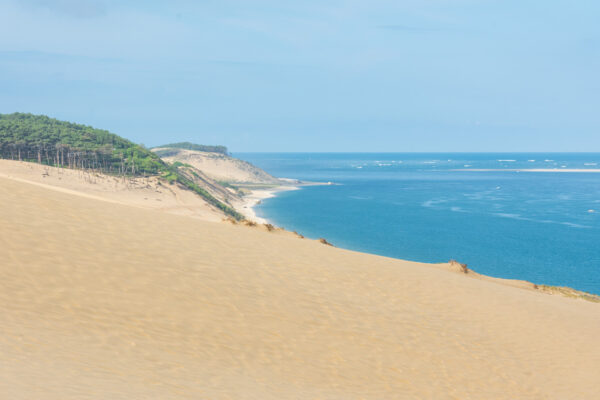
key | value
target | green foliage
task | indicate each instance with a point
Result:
(45, 140)
(175, 176)
(226, 184)
(171, 177)
(196, 147)
(40, 138)
(178, 164)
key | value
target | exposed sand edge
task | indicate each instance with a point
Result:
(451, 266)
(217, 166)
(563, 291)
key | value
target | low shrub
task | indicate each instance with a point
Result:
(269, 227)
(324, 241)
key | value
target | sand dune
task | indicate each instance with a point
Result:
(218, 166)
(150, 193)
(101, 300)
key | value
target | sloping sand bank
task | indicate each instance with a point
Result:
(151, 192)
(106, 301)
(218, 166)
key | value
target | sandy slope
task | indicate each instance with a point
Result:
(105, 301)
(219, 166)
(139, 192)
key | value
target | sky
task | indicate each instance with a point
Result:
(312, 75)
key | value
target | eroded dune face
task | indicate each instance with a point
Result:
(218, 166)
(105, 301)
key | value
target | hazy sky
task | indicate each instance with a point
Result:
(312, 75)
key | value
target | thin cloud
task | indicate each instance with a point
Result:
(42, 56)
(407, 28)
(73, 8)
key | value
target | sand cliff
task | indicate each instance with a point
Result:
(218, 166)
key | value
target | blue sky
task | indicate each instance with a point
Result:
(328, 75)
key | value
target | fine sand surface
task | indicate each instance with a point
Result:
(140, 192)
(100, 300)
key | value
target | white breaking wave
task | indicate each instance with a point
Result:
(432, 203)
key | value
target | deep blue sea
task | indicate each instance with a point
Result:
(542, 227)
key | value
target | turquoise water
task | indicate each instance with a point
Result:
(543, 227)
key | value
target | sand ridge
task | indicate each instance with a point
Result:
(218, 166)
(150, 192)
(144, 192)
(101, 300)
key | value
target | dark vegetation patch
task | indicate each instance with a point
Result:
(44, 140)
(463, 267)
(269, 227)
(195, 147)
(324, 241)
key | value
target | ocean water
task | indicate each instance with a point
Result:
(542, 227)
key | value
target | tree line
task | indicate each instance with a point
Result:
(38, 138)
(45, 140)
(196, 147)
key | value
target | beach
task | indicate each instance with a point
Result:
(100, 299)
(340, 200)
(256, 194)
(255, 197)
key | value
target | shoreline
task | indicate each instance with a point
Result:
(73, 182)
(257, 195)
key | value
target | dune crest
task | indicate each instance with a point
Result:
(218, 166)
